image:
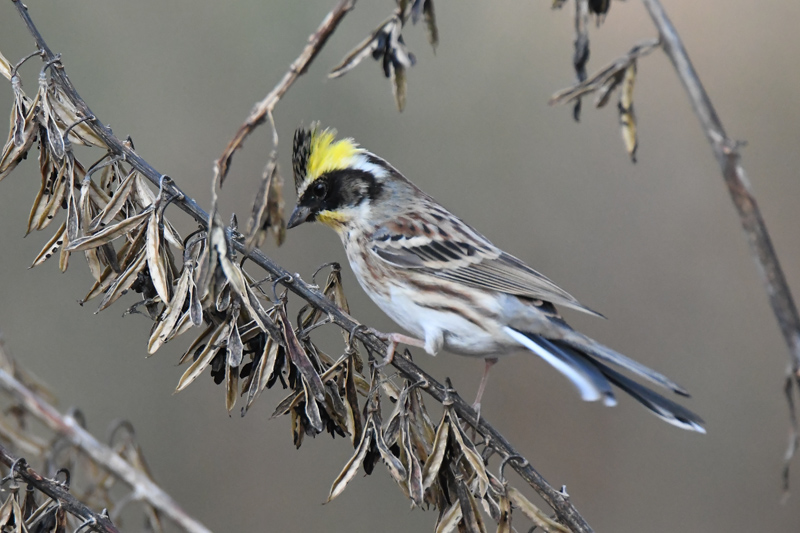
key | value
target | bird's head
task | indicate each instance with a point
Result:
(336, 181)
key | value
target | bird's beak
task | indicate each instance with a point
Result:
(299, 215)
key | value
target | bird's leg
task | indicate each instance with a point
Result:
(394, 339)
(490, 361)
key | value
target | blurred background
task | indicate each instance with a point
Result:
(657, 246)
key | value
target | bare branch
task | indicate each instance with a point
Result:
(55, 490)
(726, 151)
(143, 488)
(563, 507)
(264, 108)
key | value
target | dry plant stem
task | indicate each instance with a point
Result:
(57, 492)
(264, 108)
(561, 504)
(143, 488)
(727, 153)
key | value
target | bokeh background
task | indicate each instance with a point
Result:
(656, 246)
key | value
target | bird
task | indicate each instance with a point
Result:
(448, 285)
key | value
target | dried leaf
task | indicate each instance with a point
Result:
(55, 133)
(504, 524)
(115, 231)
(124, 281)
(127, 253)
(203, 358)
(117, 202)
(449, 520)
(73, 221)
(197, 343)
(415, 488)
(470, 453)
(627, 118)
(156, 262)
(22, 133)
(170, 315)
(473, 521)
(48, 177)
(67, 113)
(365, 48)
(5, 67)
(607, 88)
(267, 212)
(299, 357)
(434, 462)
(606, 76)
(61, 185)
(261, 317)
(351, 468)
(51, 246)
(312, 410)
(231, 386)
(21, 114)
(539, 518)
(422, 424)
(351, 395)
(195, 308)
(144, 198)
(263, 371)
(235, 347)
(393, 464)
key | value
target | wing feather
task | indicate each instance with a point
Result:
(444, 247)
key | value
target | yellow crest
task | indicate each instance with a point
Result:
(326, 154)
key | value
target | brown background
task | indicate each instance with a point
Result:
(655, 246)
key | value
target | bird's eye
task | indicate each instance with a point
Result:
(319, 191)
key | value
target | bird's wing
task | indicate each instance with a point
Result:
(441, 245)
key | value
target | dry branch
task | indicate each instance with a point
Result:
(558, 500)
(143, 487)
(726, 151)
(264, 108)
(57, 491)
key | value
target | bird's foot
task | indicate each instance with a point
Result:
(394, 339)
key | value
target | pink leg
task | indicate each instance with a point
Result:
(394, 339)
(490, 361)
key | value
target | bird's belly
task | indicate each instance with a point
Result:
(443, 328)
(436, 324)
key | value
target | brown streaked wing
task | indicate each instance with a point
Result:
(439, 244)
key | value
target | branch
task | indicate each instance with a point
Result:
(99, 522)
(143, 487)
(727, 153)
(264, 108)
(559, 501)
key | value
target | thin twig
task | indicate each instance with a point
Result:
(143, 488)
(57, 492)
(726, 151)
(560, 503)
(264, 108)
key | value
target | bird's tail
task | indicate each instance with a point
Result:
(581, 360)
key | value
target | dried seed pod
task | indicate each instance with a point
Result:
(627, 117)
(386, 45)
(536, 515)
(51, 246)
(267, 213)
(426, 7)
(115, 231)
(205, 356)
(22, 133)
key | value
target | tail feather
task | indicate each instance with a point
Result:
(589, 381)
(667, 410)
(592, 348)
(578, 361)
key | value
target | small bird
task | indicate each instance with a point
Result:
(446, 283)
